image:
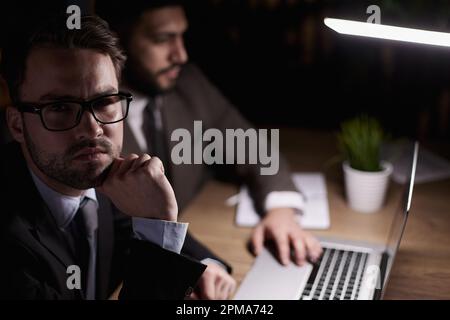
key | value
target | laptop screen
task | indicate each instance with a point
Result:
(399, 221)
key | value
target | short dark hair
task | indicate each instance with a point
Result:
(94, 34)
(122, 15)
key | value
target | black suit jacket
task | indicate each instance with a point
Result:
(35, 256)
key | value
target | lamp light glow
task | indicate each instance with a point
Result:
(381, 31)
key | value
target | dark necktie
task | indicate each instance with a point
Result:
(83, 233)
(154, 134)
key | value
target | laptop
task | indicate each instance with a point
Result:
(347, 270)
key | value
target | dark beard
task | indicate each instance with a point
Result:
(143, 82)
(58, 168)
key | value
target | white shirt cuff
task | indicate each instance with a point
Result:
(210, 260)
(166, 234)
(284, 199)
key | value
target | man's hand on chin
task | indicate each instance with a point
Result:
(138, 187)
(282, 228)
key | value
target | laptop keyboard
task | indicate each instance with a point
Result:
(336, 276)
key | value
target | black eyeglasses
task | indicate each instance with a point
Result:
(66, 114)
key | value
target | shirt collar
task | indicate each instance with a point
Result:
(62, 207)
(140, 101)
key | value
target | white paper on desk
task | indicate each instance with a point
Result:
(316, 213)
(430, 167)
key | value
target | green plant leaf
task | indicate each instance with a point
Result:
(360, 142)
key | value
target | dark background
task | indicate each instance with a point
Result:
(281, 66)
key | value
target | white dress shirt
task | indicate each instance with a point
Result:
(166, 234)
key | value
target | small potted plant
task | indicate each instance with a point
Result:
(366, 176)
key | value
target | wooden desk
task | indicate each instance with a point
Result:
(422, 266)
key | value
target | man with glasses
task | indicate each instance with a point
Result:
(65, 114)
(78, 219)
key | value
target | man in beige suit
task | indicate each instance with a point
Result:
(170, 94)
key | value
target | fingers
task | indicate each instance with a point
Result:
(112, 170)
(156, 166)
(221, 289)
(231, 288)
(225, 286)
(207, 289)
(126, 164)
(299, 249)
(133, 162)
(115, 165)
(138, 187)
(257, 239)
(156, 169)
(306, 245)
(139, 162)
(313, 247)
(283, 249)
(215, 283)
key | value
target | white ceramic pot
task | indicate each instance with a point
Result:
(366, 191)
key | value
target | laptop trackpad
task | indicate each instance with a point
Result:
(269, 280)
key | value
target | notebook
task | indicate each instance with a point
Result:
(316, 212)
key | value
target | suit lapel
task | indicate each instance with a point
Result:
(47, 233)
(34, 210)
(42, 226)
